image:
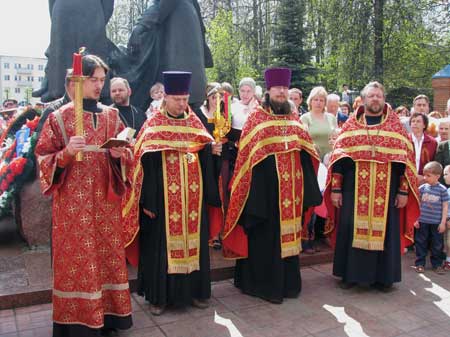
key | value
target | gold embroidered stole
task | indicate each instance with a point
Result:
(290, 202)
(183, 195)
(372, 189)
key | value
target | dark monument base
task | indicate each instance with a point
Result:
(33, 214)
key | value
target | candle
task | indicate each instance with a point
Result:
(225, 101)
(218, 106)
(76, 66)
(228, 107)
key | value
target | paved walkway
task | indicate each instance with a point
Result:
(419, 306)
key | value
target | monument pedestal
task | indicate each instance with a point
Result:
(33, 214)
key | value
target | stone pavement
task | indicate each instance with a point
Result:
(26, 274)
(419, 306)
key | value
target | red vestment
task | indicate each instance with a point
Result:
(90, 278)
(374, 148)
(265, 134)
(179, 141)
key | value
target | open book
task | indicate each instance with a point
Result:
(124, 138)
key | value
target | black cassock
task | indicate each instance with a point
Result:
(264, 273)
(159, 287)
(362, 266)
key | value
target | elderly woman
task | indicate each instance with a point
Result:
(443, 130)
(320, 123)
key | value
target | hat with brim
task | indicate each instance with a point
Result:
(277, 77)
(177, 82)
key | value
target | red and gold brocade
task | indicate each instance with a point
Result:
(373, 148)
(90, 277)
(179, 141)
(265, 134)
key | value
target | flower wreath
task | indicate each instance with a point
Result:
(17, 165)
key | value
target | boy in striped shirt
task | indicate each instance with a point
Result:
(433, 217)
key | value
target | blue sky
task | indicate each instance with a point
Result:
(24, 27)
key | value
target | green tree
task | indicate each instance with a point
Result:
(289, 42)
(231, 54)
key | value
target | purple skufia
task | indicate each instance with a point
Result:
(177, 82)
(277, 77)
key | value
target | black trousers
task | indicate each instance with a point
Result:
(427, 236)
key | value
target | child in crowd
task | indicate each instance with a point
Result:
(447, 231)
(157, 95)
(433, 218)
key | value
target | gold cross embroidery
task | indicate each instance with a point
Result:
(88, 243)
(193, 215)
(286, 203)
(286, 176)
(379, 201)
(363, 199)
(381, 176)
(174, 188)
(194, 187)
(364, 174)
(175, 217)
(172, 158)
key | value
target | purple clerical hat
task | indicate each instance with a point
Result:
(277, 77)
(177, 82)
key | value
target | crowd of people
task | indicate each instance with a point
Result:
(283, 175)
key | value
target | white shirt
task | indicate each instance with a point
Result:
(239, 113)
(417, 148)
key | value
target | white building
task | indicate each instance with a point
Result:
(19, 76)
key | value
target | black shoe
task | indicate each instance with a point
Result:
(346, 285)
(107, 331)
(385, 288)
(157, 310)
(201, 304)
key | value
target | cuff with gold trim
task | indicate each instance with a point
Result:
(404, 186)
(336, 182)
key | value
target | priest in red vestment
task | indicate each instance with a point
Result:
(371, 194)
(90, 280)
(172, 181)
(273, 183)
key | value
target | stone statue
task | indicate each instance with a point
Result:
(74, 24)
(170, 35)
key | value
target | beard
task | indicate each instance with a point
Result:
(121, 101)
(375, 109)
(281, 108)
